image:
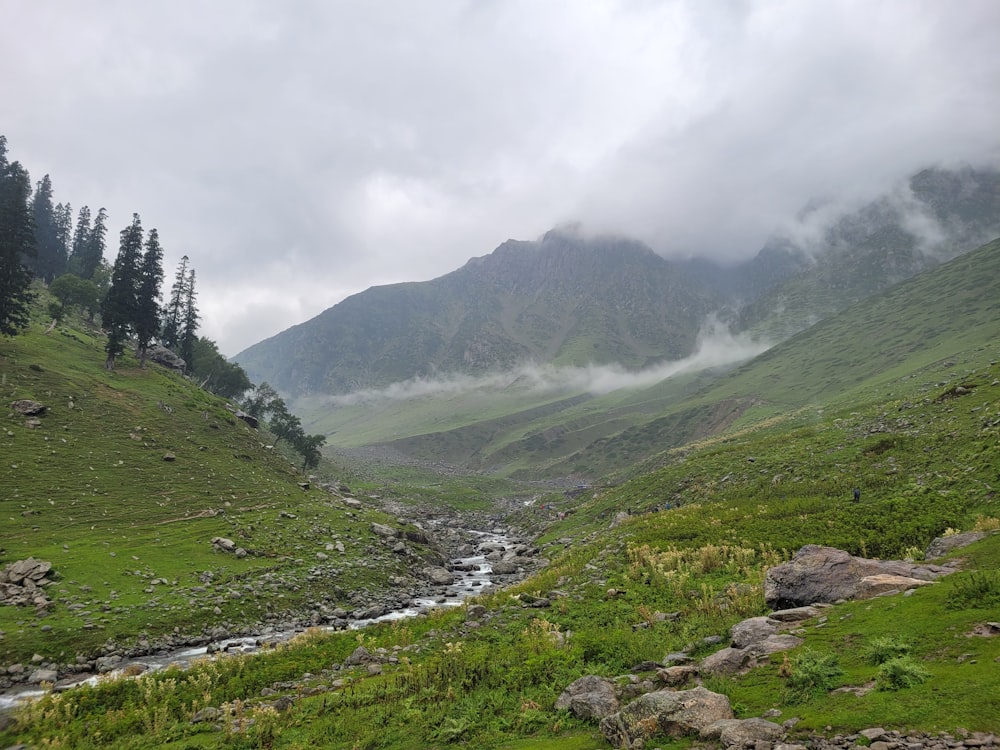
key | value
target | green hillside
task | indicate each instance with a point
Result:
(666, 562)
(123, 482)
(526, 433)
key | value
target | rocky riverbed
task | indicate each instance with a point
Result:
(473, 554)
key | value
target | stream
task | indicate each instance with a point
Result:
(473, 576)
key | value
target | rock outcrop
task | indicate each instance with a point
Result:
(673, 713)
(22, 583)
(824, 574)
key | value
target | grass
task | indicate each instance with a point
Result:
(621, 591)
(128, 531)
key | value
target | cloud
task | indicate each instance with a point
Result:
(299, 152)
(717, 346)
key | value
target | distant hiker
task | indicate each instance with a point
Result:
(857, 494)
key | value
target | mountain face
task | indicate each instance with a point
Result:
(565, 300)
(571, 300)
(938, 215)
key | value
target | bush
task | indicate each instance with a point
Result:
(811, 674)
(976, 590)
(901, 672)
(881, 650)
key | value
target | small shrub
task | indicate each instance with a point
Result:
(977, 590)
(812, 674)
(986, 523)
(901, 672)
(881, 650)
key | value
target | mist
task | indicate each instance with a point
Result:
(716, 346)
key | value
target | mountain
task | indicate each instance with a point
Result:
(937, 215)
(565, 299)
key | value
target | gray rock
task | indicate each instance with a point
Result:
(107, 663)
(825, 574)
(945, 544)
(774, 644)
(28, 408)
(438, 576)
(361, 655)
(674, 713)
(43, 675)
(380, 529)
(728, 661)
(589, 697)
(752, 630)
(226, 545)
(741, 733)
(795, 614)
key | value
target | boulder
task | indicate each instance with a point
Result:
(728, 661)
(740, 733)
(795, 614)
(438, 576)
(674, 713)
(589, 697)
(825, 574)
(774, 644)
(387, 532)
(945, 544)
(752, 630)
(885, 583)
(163, 356)
(28, 408)
(226, 545)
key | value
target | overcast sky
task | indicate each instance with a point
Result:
(304, 150)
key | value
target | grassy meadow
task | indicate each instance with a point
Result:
(686, 563)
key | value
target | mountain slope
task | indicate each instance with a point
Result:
(564, 299)
(928, 318)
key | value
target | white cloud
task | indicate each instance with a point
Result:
(330, 146)
(717, 346)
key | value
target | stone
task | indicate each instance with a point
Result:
(438, 576)
(942, 545)
(361, 655)
(752, 630)
(678, 675)
(741, 733)
(795, 614)
(774, 644)
(43, 675)
(166, 358)
(226, 545)
(728, 661)
(825, 574)
(380, 529)
(590, 697)
(28, 408)
(673, 713)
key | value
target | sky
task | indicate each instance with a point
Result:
(302, 151)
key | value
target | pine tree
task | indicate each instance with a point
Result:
(81, 235)
(147, 320)
(50, 258)
(173, 315)
(120, 308)
(63, 215)
(17, 241)
(189, 330)
(92, 251)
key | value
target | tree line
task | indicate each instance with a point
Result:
(39, 243)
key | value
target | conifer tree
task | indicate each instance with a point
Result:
(50, 256)
(92, 251)
(120, 308)
(17, 242)
(147, 320)
(63, 215)
(173, 315)
(189, 330)
(78, 244)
